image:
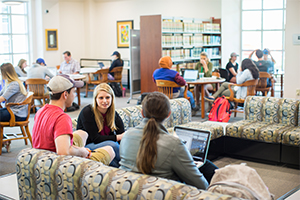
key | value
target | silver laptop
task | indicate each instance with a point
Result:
(190, 75)
(197, 142)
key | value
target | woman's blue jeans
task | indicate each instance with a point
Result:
(5, 116)
(114, 145)
(189, 94)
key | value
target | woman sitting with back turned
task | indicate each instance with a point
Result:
(149, 149)
(102, 123)
(13, 92)
(248, 71)
(117, 62)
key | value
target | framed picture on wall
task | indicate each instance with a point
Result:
(51, 40)
(123, 28)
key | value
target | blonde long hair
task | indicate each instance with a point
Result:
(110, 114)
(9, 75)
(156, 107)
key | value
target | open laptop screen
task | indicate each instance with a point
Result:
(190, 75)
(196, 140)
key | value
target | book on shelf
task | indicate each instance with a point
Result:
(178, 26)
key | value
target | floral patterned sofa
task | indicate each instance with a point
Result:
(272, 124)
(180, 116)
(45, 175)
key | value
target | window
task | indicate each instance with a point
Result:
(14, 37)
(263, 26)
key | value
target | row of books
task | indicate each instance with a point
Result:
(212, 52)
(170, 26)
(212, 40)
(216, 63)
(194, 40)
(192, 65)
(191, 53)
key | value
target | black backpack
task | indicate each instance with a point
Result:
(116, 88)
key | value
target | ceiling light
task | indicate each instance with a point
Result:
(12, 2)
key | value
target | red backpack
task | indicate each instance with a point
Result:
(220, 111)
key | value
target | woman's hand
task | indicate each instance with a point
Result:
(120, 136)
(204, 64)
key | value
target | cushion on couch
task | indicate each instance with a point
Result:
(45, 175)
(292, 137)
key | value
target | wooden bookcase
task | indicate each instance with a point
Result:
(179, 38)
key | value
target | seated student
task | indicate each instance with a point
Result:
(20, 68)
(248, 71)
(102, 123)
(39, 70)
(117, 62)
(262, 65)
(204, 66)
(13, 92)
(165, 73)
(267, 53)
(69, 66)
(232, 67)
(149, 149)
(52, 129)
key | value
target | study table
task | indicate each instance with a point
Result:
(201, 82)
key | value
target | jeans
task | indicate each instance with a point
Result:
(208, 170)
(5, 116)
(114, 145)
(189, 94)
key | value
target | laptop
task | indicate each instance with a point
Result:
(197, 142)
(190, 75)
(101, 65)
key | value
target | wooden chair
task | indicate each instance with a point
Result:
(117, 75)
(37, 86)
(101, 78)
(166, 87)
(262, 84)
(251, 85)
(12, 123)
(216, 74)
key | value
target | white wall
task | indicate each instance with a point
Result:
(108, 13)
(231, 29)
(292, 52)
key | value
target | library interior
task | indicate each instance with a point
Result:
(150, 99)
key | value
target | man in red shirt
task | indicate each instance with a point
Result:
(52, 128)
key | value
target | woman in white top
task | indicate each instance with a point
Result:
(248, 71)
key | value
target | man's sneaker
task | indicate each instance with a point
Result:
(194, 112)
(71, 109)
(209, 99)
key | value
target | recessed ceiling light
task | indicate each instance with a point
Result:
(12, 2)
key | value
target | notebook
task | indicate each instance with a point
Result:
(197, 142)
(190, 75)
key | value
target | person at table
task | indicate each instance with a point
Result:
(165, 73)
(247, 71)
(13, 92)
(203, 66)
(150, 149)
(101, 121)
(117, 62)
(69, 66)
(52, 129)
(262, 65)
(20, 68)
(267, 53)
(232, 67)
(39, 70)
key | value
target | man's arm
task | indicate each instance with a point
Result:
(77, 68)
(251, 54)
(63, 147)
(272, 57)
(2, 99)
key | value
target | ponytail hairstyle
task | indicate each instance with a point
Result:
(9, 75)
(249, 64)
(156, 107)
(119, 57)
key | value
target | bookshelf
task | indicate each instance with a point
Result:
(183, 39)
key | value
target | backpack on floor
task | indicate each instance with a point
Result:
(116, 88)
(239, 181)
(220, 110)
